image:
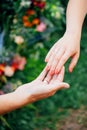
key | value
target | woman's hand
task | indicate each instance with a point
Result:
(42, 87)
(67, 47)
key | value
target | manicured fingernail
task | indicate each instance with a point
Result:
(47, 68)
(56, 72)
(70, 70)
(51, 72)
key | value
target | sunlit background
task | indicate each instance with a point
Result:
(28, 29)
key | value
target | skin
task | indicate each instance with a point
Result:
(69, 45)
(38, 89)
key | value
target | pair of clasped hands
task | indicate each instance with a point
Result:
(51, 78)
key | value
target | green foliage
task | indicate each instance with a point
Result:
(46, 113)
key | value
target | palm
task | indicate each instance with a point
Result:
(43, 87)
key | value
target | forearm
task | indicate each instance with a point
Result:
(11, 101)
(76, 12)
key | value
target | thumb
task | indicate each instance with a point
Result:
(58, 86)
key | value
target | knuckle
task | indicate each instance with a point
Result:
(52, 69)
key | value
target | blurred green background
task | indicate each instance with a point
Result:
(29, 30)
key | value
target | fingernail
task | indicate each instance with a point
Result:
(51, 73)
(47, 68)
(70, 70)
(67, 86)
(56, 72)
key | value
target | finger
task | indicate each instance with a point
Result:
(50, 53)
(57, 86)
(54, 77)
(48, 66)
(47, 78)
(42, 74)
(61, 63)
(56, 59)
(58, 77)
(73, 62)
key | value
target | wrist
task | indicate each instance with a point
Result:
(73, 33)
(21, 99)
(23, 95)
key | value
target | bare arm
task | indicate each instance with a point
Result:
(69, 45)
(11, 101)
(76, 12)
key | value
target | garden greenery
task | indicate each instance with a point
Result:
(28, 28)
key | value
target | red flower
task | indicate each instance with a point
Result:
(35, 21)
(26, 21)
(28, 24)
(30, 12)
(2, 67)
(14, 66)
(39, 4)
(25, 18)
